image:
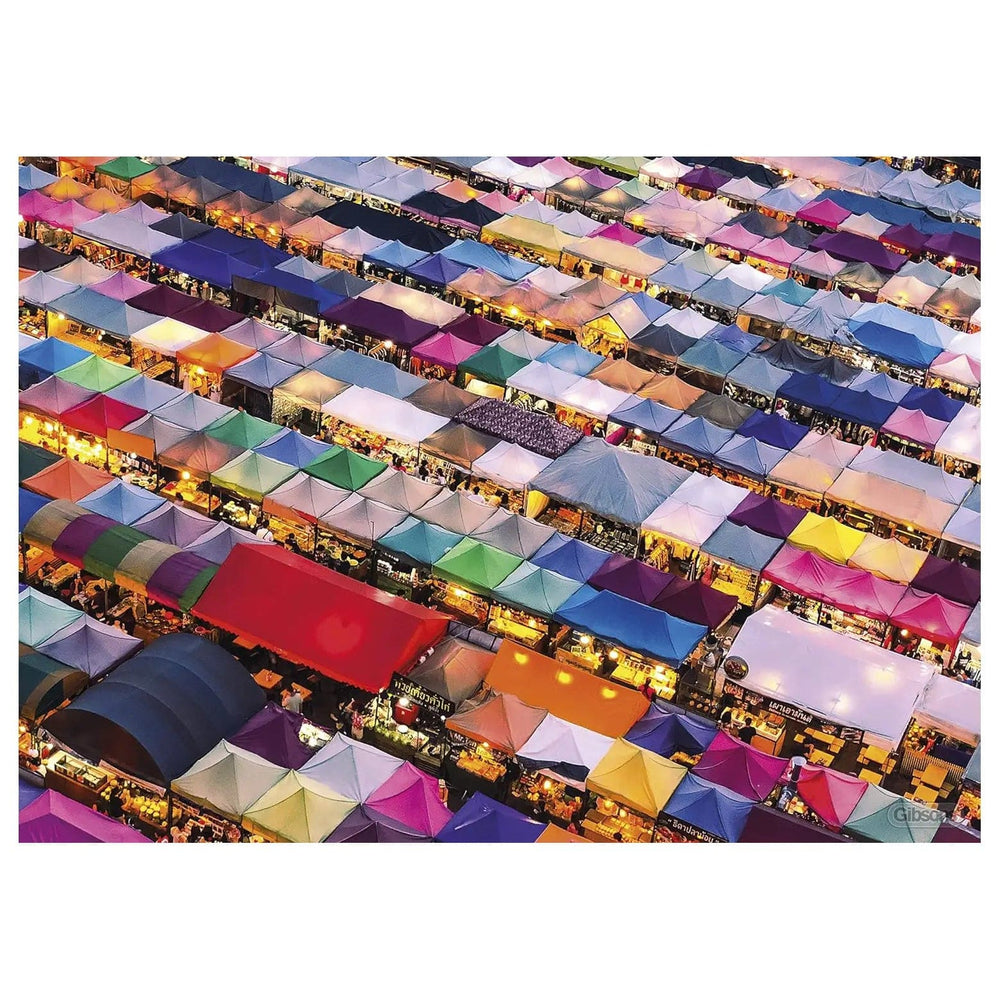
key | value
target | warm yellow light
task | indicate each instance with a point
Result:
(460, 593)
(638, 433)
(28, 421)
(48, 427)
(387, 343)
(546, 784)
(637, 220)
(514, 311)
(613, 655)
(185, 475)
(200, 370)
(71, 439)
(586, 639)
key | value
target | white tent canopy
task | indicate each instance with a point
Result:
(961, 438)
(558, 742)
(416, 304)
(837, 677)
(509, 465)
(361, 518)
(395, 418)
(711, 494)
(167, 336)
(589, 396)
(952, 708)
(683, 521)
(540, 379)
(400, 490)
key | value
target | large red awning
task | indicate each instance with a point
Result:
(314, 616)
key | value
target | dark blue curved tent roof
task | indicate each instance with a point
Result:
(162, 710)
(483, 821)
(482, 255)
(292, 448)
(711, 808)
(664, 730)
(773, 430)
(747, 454)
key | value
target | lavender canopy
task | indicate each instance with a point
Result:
(365, 827)
(55, 819)
(273, 733)
(90, 645)
(350, 768)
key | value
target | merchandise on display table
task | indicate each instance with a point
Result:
(544, 796)
(607, 822)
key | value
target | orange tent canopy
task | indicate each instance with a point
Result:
(214, 353)
(553, 834)
(68, 479)
(567, 692)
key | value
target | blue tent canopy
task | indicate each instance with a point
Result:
(735, 338)
(664, 730)
(695, 436)
(662, 341)
(28, 504)
(742, 546)
(291, 290)
(396, 255)
(809, 390)
(360, 369)
(646, 414)
(162, 710)
(102, 312)
(43, 358)
(933, 402)
(571, 357)
(571, 558)
(652, 309)
(723, 293)
(789, 290)
(710, 356)
(145, 393)
(292, 448)
(759, 375)
(204, 263)
(122, 502)
(974, 500)
(862, 407)
(678, 278)
(634, 626)
(657, 246)
(618, 484)
(437, 270)
(233, 177)
(711, 808)
(536, 589)
(261, 371)
(483, 821)
(747, 454)
(222, 240)
(894, 213)
(481, 255)
(30, 178)
(26, 792)
(419, 542)
(882, 385)
(773, 430)
(895, 345)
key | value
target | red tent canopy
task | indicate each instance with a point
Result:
(927, 615)
(830, 794)
(99, 413)
(311, 615)
(71, 480)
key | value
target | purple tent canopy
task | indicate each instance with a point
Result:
(704, 179)
(769, 826)
(79, 535)
(951, 833)
(55, 819)
(410, 797)
(965, 249)
(696, 602)
(174, 575)
(475, 329)
(767, 515)
(847, 246)
(823, 212)
(908, 237)
(740, 768)
(632, 579)
(273, 733)
(363, 827)
(90, 645)
(949, 579)
(381, 321)
(483, 821)
(163, 301)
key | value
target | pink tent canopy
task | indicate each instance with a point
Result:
(806, 573)
(121, 286)
(957, 368)
(616, 231)
(55, 819)
(34, 205)
(830, 794)
(735, 237)
(410, 797)
(823, 212)
(863, 593)
(931, 616)
(498, 202)
(777, 251)
(915, 425)
(67, 215)
(444, 349)
(740, 768)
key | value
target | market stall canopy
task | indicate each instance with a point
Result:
(503, 721)
(537, 590)
(419, 542)
(273, 734)
(835, 676)
(145, 393)
(766, 825)
(513, 533)
(664, 730)
(317, 617)
(635, 626)
(360, 369)
(949, 579)
(609, 481)
(455, 669)
(298, 810)
(630, 578)
(400, 490)
(568, 750)
(441, 397)
(175, 525)
(889, 819)
(457, 511)
(346, 469)
(459, 444)
(40, 617)
(352, 769)
(55, 819)
(539, 433)
(476, 565)
(162, 710)
(411, 798)
(362, 519)
(123, 502)
(97, 374)
(709, 808)
(44, 684)
(739, 767)
(481, 820)
(228, 780)
(950, 707)
(509, 465)
(830, 794)
(827, 537)
(636, 778)
(67, 480)
(570, 557)
(396, 419)
(931, 616)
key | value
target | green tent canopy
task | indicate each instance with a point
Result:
(109, 549)
(196, 588)
(893, 819)
(97, 374)
(31, 460)
(44, 684)
(345, 469)
(476, 565)
(493, 364)
(125, 168)
(252, 475)
(241, 429)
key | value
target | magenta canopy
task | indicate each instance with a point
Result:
(616, 231)
(55, 819)
(121, 286)
(444, 349)
(830, 794)
(735, 237)
(740, 768)
(931, 616)
(823, 212)
(777, 251)
(34, 205)
(848, 246)
(410, 797)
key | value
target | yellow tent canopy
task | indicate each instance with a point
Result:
(298, 810)
(888, 558)
(527, 233)
(637, 778)
(826, 536)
